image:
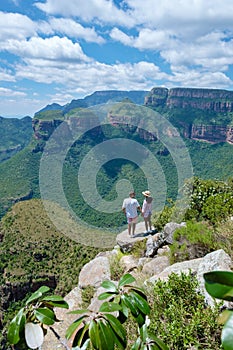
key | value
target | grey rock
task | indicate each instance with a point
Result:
(156, 265)
(218, 260)
(169, 230)
(129, 262)
(178, 268)
(95, 272)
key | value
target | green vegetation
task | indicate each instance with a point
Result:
(14, 133)
(50, 115)
(207, 200)
(26, 328)
(101, 330)
(34, 252)
(171, 312)
(195, 240)
(32, 247)
(180, 317)
(219, 284)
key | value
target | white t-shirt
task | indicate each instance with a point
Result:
(130, 205)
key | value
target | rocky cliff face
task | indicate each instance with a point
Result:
(185, 101)
(43, 129)
(218, 102)
(205, 99)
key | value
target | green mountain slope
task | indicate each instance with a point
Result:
(15, 134)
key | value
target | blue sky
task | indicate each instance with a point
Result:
(57, 50)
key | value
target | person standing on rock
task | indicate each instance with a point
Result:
(130, 208)
(147, 210)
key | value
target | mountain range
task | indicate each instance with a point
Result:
(203, 118)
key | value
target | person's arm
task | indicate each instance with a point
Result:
(144, 207)
(139, 208)
(123, 207)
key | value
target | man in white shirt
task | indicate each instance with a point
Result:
(130, 208)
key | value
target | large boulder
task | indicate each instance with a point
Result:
(95, 272)
(155, 265)
(218, 260)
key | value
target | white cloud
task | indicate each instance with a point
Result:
(4, 92)
(16, 26)
(195, 78)
(102, 11)
(117, 35)
(184, 17)
(73, 29)
(6, 75)
(147, 39)
(91, 75)
(54, 48)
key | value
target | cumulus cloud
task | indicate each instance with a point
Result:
(73, 29)
(102, 11)
(16, 26)
(54, 48)
(11, 93)
(84, 76)
(118, 35)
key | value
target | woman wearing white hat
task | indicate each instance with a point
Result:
(147, 210)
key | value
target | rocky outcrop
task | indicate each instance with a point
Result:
(217, 102)
(212, 133)
(205, 99)
(43, 129)
(149, 270)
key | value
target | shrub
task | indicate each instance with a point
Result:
(194, 240)
(180, 317)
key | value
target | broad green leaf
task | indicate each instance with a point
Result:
(45, 316)
(105, 295)
(94, 334)
(109, 285)
(37, 294)
(109, 307)
(159, 343)
(74, 326)
(140, 319)
(140, 291)
(223, 317)
(219, 284)
(106, 336)
(130, 303)
(227, 334)
(117, 327)
(124, 307)
(137, 345)
(15, 326)
(62, 304)
(81, 336)
(79, 312)
(56, 300)
(34, 335)
(143, 332)
(126, 279)
(142, 304)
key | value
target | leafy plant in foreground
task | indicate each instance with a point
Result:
(102, 330)
(219, 284)
(28, 325)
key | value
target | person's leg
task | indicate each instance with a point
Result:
(149, 222)
(129, 229)
(146, 224)
(133, 228)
